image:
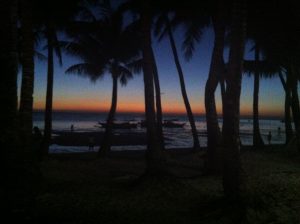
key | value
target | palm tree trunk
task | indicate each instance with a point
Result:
(188, 108)
(257, 140)
(107, 138)
(295, 104)
(158, 101)
(8, 81)
(154, 157)
(8, 91)
(287, 110)
(26, 99)
(231, 153)
(216, 69)
(8, 77)
(49, 94)
(288, 120)
(29, 177)
(14, 190)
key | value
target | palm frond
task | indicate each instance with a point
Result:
(265, 68)
(85, 70)
(124, 75)
(135, 66)
(40, 56)
(105, 9)
(86, 14)
(128, 43)
(160, 27)
(192, 35)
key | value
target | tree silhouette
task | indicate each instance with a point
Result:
(231, 113)
(167, 30)
(146, 11)
(52, 16)
(110, 49)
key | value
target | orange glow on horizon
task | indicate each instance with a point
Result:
(134, 107)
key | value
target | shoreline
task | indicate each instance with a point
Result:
(123, 138)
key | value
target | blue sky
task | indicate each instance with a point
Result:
(72, 92)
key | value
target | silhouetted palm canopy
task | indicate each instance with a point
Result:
(55, 14)
(192, 18)
(107, 46)
(275, 26)
(266, 69)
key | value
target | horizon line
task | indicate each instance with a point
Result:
(142, 113)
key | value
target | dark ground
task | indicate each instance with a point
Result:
(79, 188)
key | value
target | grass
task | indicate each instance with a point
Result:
(83, 189)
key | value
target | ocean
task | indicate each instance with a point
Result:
(176, 137)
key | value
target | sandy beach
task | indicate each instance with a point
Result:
(65, 138)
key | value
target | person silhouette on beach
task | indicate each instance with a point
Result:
(269, 137)
(72, 128)
(91, 143)
(279, 130)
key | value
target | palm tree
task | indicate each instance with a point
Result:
(155, 162)
(26, 98)
(9, 70)
(111, 49)
(146, 11)
(287, 110)
(257, 139)
(168, 31)
(118, 72)
(260, 68)
(293, 84)
(231, 113)
(194, 22)
(158, 102)
(215, 76)
(257, 32)
(49, 21)
(8, 96)
(52, 45)
(279, 42)
(281, 46)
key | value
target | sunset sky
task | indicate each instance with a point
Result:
(72, 92)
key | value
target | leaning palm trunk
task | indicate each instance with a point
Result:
(158, 101)
(287, 110)
(49, 94)
(216, 70)
(231, 111)
(107, 138)
(26, 99)
(257, 140)
(183, 89)
(154, 157)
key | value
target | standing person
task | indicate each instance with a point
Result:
(269, 137)
(72, 128)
